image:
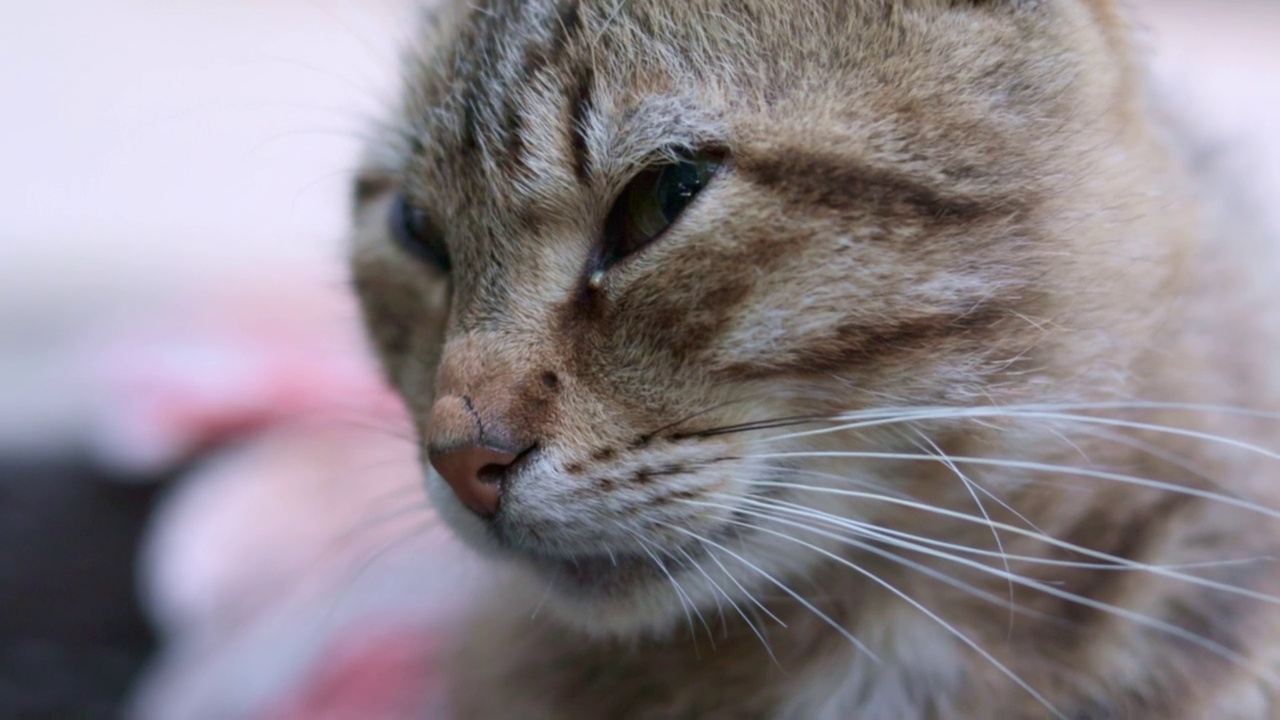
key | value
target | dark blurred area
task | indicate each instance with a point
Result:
(72, 635)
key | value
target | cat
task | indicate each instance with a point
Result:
(828, 359)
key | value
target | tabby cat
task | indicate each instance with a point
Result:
(828, 359)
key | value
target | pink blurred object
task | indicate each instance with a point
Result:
(173, 396)
(192, 380)
(296, 571)
(376, 674)
(279, 571)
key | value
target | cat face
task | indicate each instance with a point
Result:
(615, 256)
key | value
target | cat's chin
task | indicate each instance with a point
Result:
(608, 597)
(595, 578)
(621, 595)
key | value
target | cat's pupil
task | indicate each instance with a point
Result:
(677, 187)
(653, 201)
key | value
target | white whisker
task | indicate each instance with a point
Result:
(1151, 427)
(926, 611)
(733, 604)
(761, 606)
(783, 587)
(872, 532)
(876, 530)
(1034, 467)
(686, 602)
(1151, 449)
(1173, 630)
(715, 595)
(541, 602)
(1161, 570)
(970, 486)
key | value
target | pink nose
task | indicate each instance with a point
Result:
(474, 473)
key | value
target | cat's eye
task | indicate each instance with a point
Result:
(415, 232)
(653, 200)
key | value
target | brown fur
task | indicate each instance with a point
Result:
(925, 204)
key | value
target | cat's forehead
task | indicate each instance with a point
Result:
(489, 71)
(551, 103)
(520, 103)
(493, 68)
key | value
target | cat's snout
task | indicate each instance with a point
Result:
(472, 457)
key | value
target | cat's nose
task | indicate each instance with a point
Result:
(475, 474)
(473, 458)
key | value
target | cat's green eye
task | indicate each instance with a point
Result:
(653, 201)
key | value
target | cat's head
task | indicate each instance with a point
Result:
(610, 252)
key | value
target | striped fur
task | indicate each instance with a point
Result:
(926, 204)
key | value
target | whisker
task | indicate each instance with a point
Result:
(1034, 467)
(1151, 623)
(1114, 563)
(537, 609)
(1151, 449)
(1161, 570)
(1151, 427)
(863, 419)
(692, 416)
(876, 530)
(720, 591)
(783, 587)
(970, 486)
(757, 425)
(759, 605)
(955, 632)
(843, 480)
(873, 532)
(737, 608)
(1174, 630)
(686, 602)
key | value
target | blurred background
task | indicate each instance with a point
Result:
(203, 487)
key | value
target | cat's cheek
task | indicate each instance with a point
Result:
(405, 318)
